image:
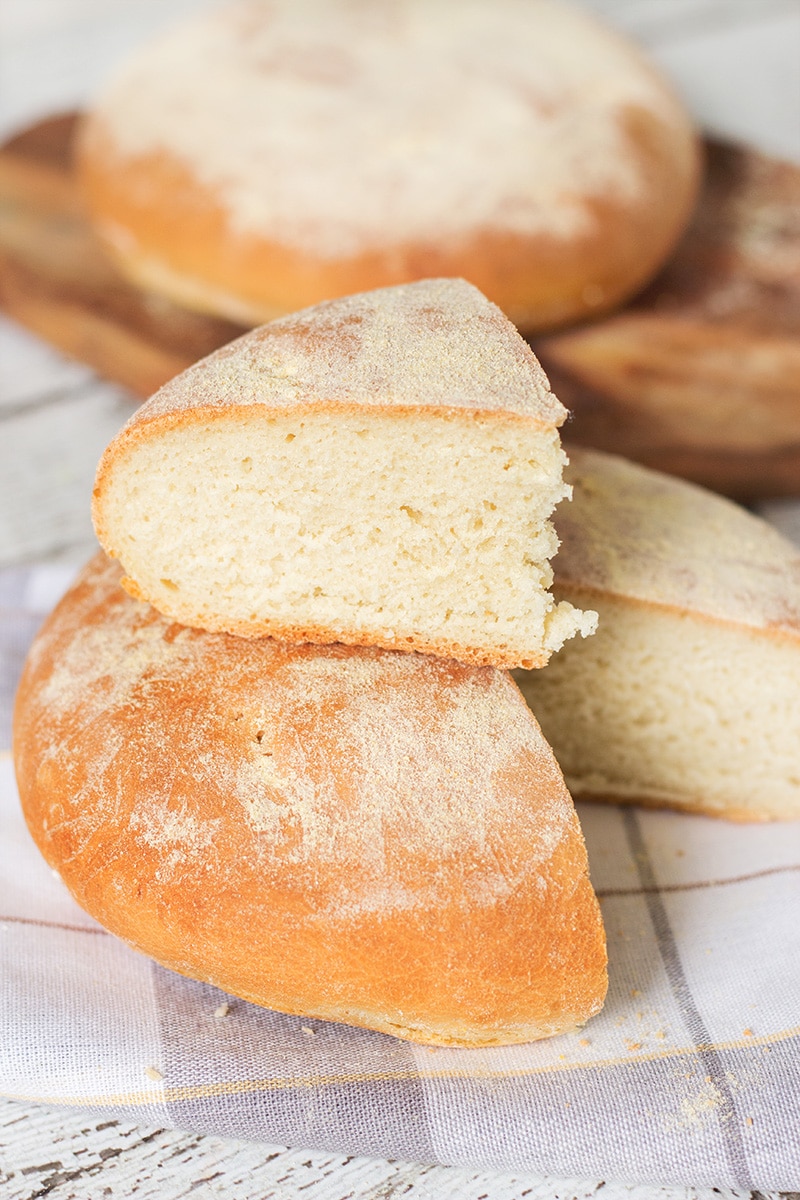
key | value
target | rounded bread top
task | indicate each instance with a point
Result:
(637, 533)
(341, 126)
(360, 835)
(437, 344)
(320, 748)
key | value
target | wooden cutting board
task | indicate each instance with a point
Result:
(55, 279)
(699, 376)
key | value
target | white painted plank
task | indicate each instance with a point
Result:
(31, 370)
(73, 1156)
(57, 54)
(49, 449)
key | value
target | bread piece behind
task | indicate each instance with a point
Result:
(269, 155)
(357, 835)
(689, 694)
(377, 470)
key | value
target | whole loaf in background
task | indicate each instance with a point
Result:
(268, 156)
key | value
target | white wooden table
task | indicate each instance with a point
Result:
(737, 64)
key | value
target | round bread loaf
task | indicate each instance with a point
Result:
(271, 155)
(356, 835)
(688, 695)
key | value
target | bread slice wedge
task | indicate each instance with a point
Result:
(353, 834)
(378, 470)
(689, 694)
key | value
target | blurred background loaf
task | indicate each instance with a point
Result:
(268, 156)
(697, 375)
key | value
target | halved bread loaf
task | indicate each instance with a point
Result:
(378, 470)
(358, 835)
(689, 694)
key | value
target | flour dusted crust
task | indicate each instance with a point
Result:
(268, 156)
(437, 344)
(655, 539)
(377, 470)
(689, 694)
(354, 835)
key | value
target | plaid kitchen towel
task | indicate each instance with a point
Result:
(690, 1075)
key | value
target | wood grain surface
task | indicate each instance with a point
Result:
(700, 376)
(85, 1156)
(55, 279)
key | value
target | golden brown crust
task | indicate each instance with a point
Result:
(614, 167)
(437, 345)
(364, 836)
(435, 351)
(178, 242)
(656, 540)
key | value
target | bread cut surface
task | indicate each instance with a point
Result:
(689, 693)
(267, 156)
(358, 835)
(378, 470)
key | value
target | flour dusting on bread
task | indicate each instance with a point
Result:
(273, 106)
(378, 470)
(353, 834)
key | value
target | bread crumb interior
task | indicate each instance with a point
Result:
(670, 708)
(350, 524)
